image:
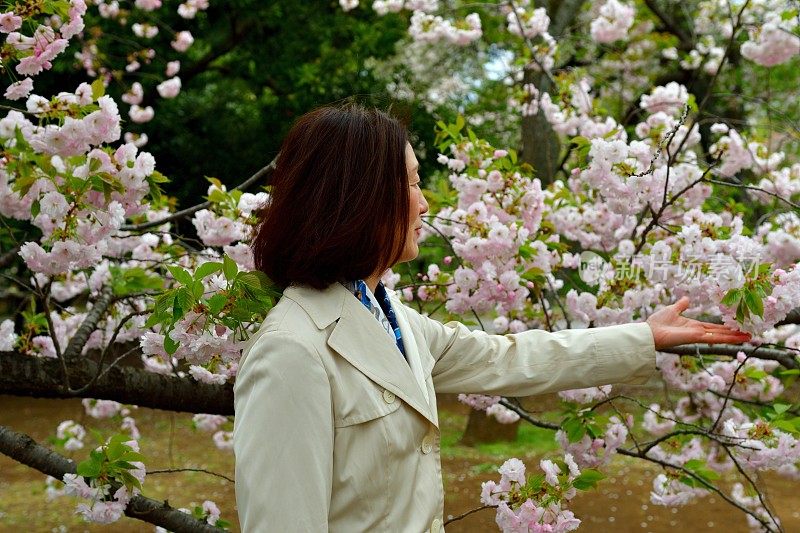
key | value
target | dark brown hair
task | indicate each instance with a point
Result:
(338, 208)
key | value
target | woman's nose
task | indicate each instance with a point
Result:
(423, 204)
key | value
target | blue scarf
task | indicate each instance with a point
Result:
(384, 314)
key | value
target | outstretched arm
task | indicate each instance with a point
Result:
(537, 361)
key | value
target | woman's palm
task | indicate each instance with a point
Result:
(672, 329)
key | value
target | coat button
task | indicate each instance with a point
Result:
(388, 396)
(427, 444)
(436, 526)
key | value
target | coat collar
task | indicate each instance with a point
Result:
(359, 338)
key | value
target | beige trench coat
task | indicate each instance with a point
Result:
(333, 431)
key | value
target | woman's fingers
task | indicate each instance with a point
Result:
(682, 304)
(722, 337)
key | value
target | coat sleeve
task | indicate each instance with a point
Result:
(283, 437)
(535, 361)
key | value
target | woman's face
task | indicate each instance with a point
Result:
(417, 207)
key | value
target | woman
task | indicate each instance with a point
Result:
(336, 426)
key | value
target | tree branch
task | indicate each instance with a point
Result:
(25, 450)
(78, 341)
(9, 256)
(23, 375)
(265, 172)
(671, 25)
(784, 357)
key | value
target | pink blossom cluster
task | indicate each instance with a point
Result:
(542, 512)
(588, 395)
(753, 503)
(669, 491)
(7, 336)
(189, 8)
(71, 434)
(433, 28)
(211, 512)
(229, 220)
(658, 422)
(478, 402)
(781, 236)
(216, 230)
(528, 22)
(683, 374)
(774, 42)
(784, 298)
(613, 22)
(670, 98)
(593, 452)
(102, 507)
(208, 423)
(491, 406)
(574, 114)
(489, 229)
(36, 53)
(223, 440)
(103, 408)
(758, 446)
(199, 344)
(382, 7)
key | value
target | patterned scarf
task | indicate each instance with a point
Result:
(383, 311)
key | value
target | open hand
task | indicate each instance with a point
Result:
(671, 329)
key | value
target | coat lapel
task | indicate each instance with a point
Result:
(359, 338)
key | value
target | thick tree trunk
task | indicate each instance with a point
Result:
(540, 145)
(482, 428)
(25, 450)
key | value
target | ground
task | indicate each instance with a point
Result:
(620, 504)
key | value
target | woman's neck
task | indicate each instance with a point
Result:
(372, 282)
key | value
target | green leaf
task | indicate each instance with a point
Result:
(158, 177)
(183, 303)
(459, 122)
(206, 269)
(754, 303)
(700, 469)
(170, 346)
(755, 373)
(216, 303)
(180, 275)
(258, 280)
(513, 155)
(535, 482)
(781, 408)
(129, 479)
(731, 298)
(574, 428)
(98, 89)
(217, 196)
(588, 479)
(785, 425)
(198, 289)
(132, 456)
(114, 450)
(89, 468)
(230, 268)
